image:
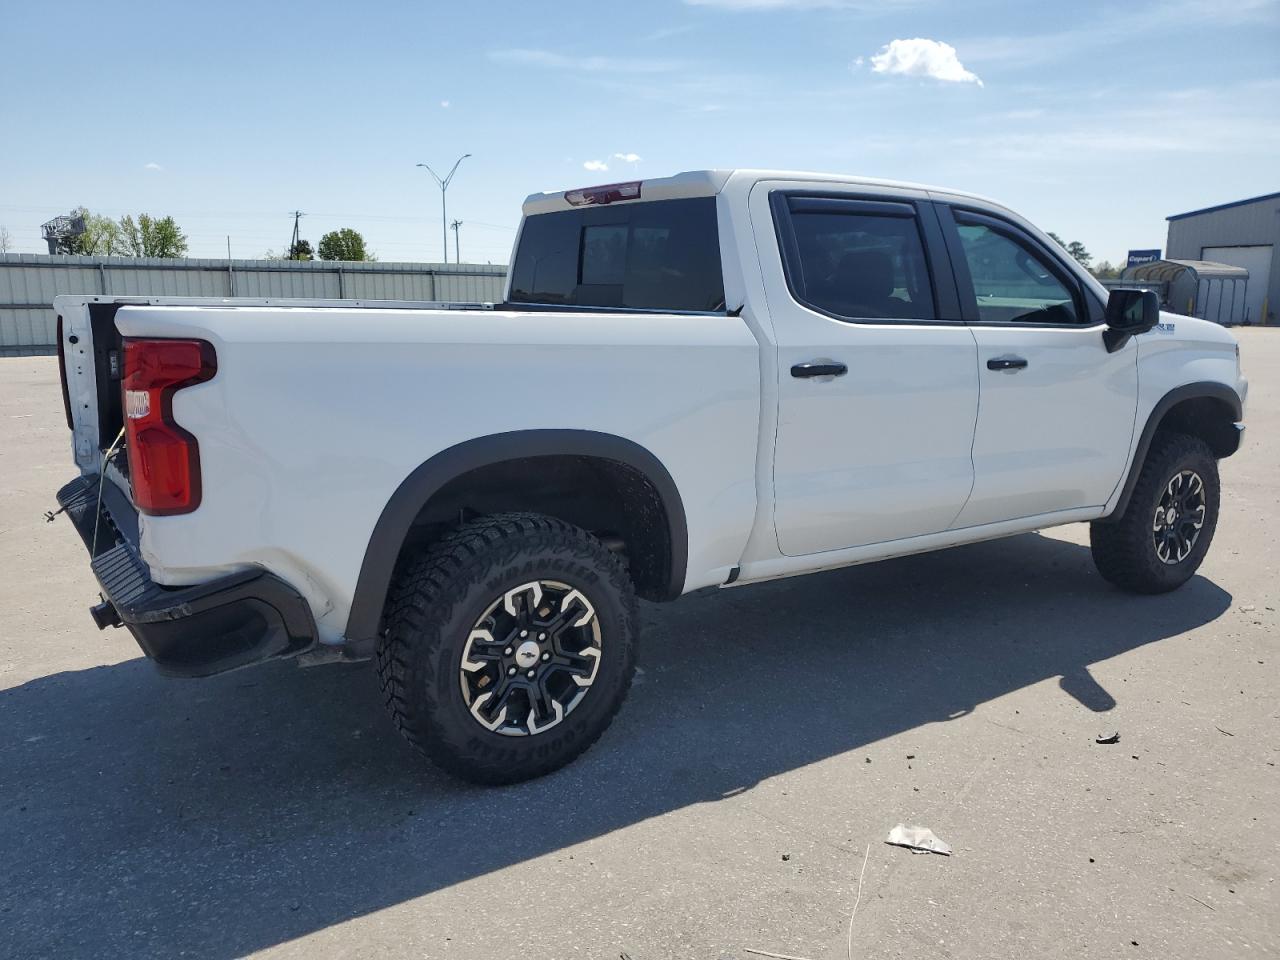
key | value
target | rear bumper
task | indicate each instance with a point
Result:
(194, 631)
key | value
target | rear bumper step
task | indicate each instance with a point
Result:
(194, 631)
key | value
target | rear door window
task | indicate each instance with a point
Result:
(855, 259)
(658, 255)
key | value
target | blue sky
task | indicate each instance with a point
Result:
(1095, 120)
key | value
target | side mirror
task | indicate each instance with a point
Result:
(1129, 312)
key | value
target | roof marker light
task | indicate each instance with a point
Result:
(606, 193)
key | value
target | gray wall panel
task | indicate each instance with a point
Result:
(29, 282)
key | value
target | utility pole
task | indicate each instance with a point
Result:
(444, 214)
(457, 257)
(293, 241)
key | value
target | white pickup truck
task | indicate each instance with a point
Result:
(714, 378)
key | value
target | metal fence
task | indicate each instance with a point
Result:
(29, 282)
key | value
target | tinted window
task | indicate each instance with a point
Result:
(1012, 282)
(861, 265)
(663, 255)
(604, 254)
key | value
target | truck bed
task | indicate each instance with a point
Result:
(103, 342)
(320, 410)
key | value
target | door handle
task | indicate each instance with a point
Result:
(819, 368)
(1006, 363)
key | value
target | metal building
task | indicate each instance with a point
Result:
(29, 282)
(1245, 233)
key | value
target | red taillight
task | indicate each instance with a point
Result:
(608, 193)
(164, 460)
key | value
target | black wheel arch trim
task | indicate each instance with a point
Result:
(428, 478)
(1188, 391)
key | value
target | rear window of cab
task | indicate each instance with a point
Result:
(655, 255)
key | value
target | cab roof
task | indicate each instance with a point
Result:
(709, 183)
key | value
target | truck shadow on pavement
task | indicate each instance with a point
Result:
(153, 817)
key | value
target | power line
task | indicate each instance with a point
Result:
(228, 214)
(220, 239)
(408, 218)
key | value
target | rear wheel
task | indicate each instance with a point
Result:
(510, 646)
(1160, 540)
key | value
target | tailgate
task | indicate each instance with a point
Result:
(90, 361)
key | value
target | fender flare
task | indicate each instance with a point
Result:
(1189, 391)
(428, 478)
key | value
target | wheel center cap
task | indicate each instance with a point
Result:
(1171, 515)
(527, 654)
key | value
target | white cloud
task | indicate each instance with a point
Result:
(559, 61)
(1117, 25)
(919, 57)
(596, 166)
(152, 166)
(665, 33)
(627, 157)
(1224, 121)
(445, 104)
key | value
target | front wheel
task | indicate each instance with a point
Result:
(1162, 537)
(510, 645)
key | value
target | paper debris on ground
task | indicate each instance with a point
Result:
(921, 839)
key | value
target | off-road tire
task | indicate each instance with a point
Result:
(434, 604)
(1123, 547)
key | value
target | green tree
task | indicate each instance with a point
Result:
(344, 244)
(301, 251)
(1077, 250)
(149, 237)
(1105, 271)
(101, 237)
(6, 240)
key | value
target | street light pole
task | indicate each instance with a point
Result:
(444, 213)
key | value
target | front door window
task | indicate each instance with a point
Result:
(1013, 283)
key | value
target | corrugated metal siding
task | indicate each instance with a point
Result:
(1249, 224)
(26, 332)
(29, 282)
